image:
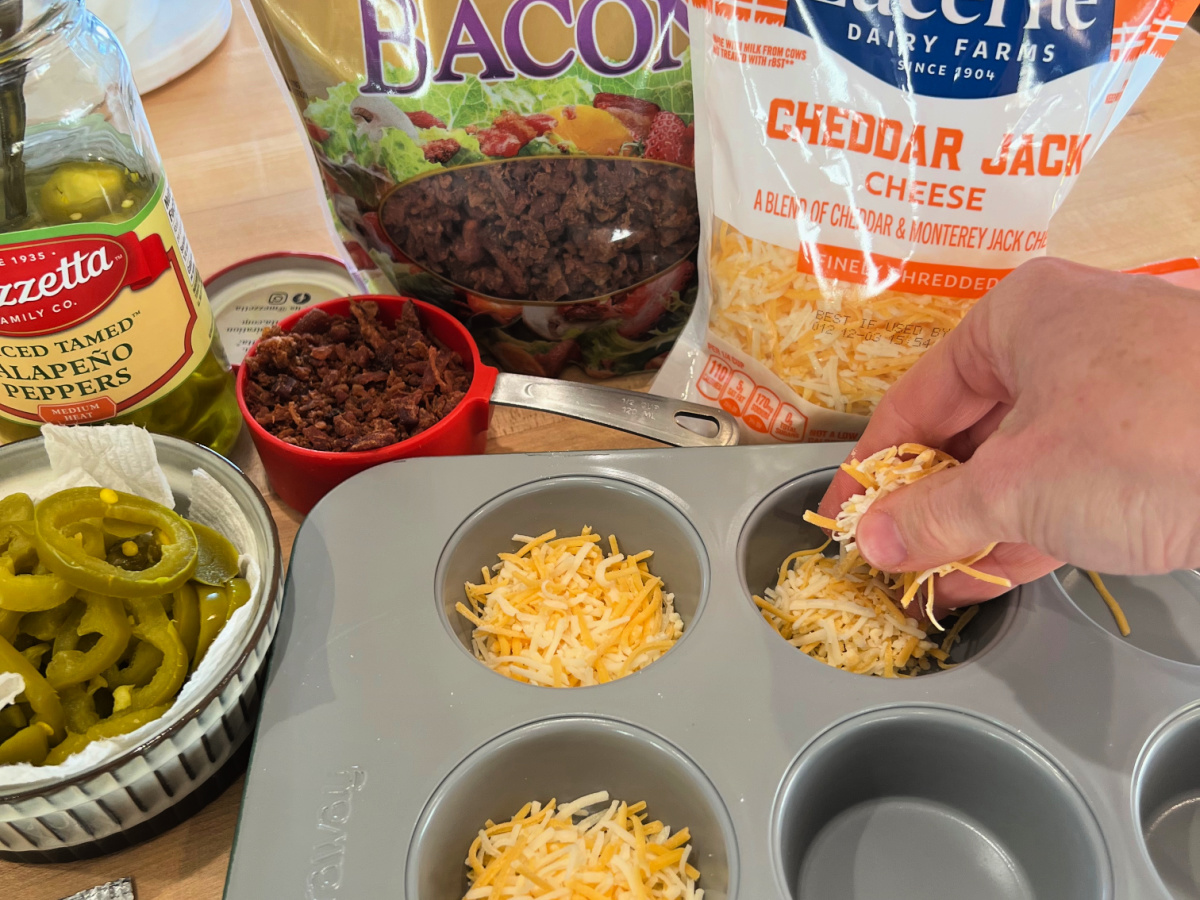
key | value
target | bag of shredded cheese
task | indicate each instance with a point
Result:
(868, 168)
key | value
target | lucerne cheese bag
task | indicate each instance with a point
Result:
(867, 169)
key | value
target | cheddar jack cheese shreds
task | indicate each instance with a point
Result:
(613, 854)
(562, 612)
(1110, 601)
(845, 617)
(881, 474)
(787, 320)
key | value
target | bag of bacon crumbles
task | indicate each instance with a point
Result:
(868, 168)
(525, 164)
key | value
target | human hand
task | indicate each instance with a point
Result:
(1072, 396)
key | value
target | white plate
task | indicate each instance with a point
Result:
(179, 37)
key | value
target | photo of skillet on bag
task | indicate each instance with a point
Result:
(546, 230)
(552, 261)
(302, 476)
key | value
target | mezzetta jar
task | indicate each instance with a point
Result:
(103, 317)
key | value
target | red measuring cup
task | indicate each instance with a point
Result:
(301, 476)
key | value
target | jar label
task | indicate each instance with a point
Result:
(97, 320)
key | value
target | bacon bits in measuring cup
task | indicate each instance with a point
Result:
(352, 383)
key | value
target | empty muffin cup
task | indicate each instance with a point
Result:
(1163, 610)
(924, 802)
(1166, 803)
(564, 759)
(776, 529)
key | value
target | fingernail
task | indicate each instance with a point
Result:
(880, 542)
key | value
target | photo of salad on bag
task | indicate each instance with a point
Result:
(525, 165)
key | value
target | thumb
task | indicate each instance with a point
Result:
(939, 519)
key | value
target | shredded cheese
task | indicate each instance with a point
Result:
(1113, 606)
(814, 336)
(560, 612)
(544, 852)
(847, 617)
(880, 474)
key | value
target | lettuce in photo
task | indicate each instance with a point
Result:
(401, 157)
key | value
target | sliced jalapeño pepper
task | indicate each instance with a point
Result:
(114, 726)
(79, 707)
(46, 705)
(17, 545)
(16, 508)
(34, 653)
(10, 623)
(29, 745)
(139, 670)
(104, 616)
(214, 609)
(154, 628)
(186, 615)
(46, 625)
(217, 561)
(12, 720)
(239, 593)
(68, 635)
(65, 557)
(31, 593)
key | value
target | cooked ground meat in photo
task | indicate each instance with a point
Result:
(352, 383)
(549, 229)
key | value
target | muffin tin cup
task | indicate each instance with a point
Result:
(639, 518)
(1166, 803)
(1165, 608)
(151, 787)
(565, 758)
(844, 825)
(384, 744)
(776, 529)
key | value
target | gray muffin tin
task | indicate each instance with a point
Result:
(1057, 761)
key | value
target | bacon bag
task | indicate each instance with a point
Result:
(525, 164)
(867, 169)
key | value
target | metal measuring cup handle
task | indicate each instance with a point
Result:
(658, 418)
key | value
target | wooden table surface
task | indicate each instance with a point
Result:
(245, 185)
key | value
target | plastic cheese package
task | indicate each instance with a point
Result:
(867, 169)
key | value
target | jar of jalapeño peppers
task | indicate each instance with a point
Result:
(103, 317)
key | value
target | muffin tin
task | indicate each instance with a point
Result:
(1056, 761)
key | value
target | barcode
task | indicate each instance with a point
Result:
(185, 250)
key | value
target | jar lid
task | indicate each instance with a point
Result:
(256, 293)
